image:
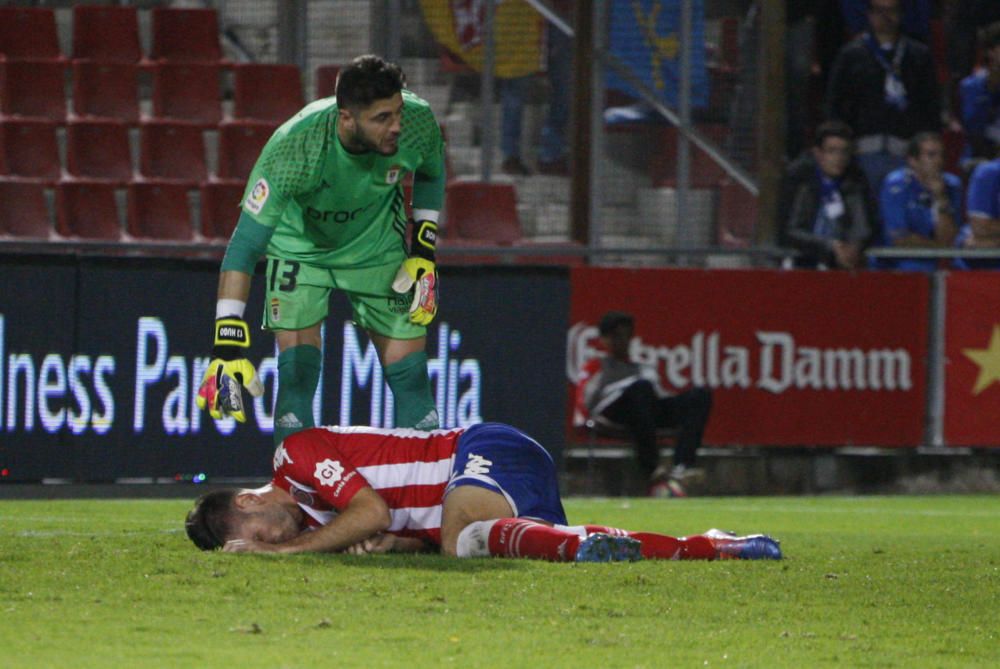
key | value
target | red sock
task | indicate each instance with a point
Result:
(663, 547)
(517, 537)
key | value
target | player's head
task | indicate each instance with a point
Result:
(233, 513)
(616, 329)
(833, 148)
(925, 154)
(989, 40)
(885, 16)
(370, 105)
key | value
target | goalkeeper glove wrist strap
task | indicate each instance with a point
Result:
(231, 335)
(424, 239)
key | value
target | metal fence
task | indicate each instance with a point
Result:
(674, 101)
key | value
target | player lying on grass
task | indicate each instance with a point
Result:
(485, 490)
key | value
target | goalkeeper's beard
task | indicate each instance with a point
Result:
(359, 140)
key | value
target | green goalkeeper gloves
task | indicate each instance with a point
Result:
(419, 273)
(221, 390)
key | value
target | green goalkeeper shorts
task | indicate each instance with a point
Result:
(298, 296)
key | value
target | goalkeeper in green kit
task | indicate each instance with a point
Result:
(324, 204)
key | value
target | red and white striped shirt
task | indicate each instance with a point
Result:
(323, 468)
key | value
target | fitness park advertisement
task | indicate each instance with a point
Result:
(101, 359)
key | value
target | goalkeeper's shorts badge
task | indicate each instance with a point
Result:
(275, 309)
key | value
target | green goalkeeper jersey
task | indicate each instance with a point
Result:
(336, 209)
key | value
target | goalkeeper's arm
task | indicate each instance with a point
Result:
(220, 390)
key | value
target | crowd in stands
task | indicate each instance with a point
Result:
(906, 155)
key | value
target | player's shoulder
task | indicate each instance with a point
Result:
(988, 170)
(896, 181)
(314, 117)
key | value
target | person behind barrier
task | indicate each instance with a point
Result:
(324, 204)
(983, 210)
(883, 85)
(625, 394)
(486, 490)
(920, 204)
(980, 98)
(826, 211)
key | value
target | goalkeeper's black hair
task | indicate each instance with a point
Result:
(367, 79)
(208, 524)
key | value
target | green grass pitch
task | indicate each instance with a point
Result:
(867, 582)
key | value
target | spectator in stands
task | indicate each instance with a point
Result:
(920, 204)
(967, 18)
(486, 490)
(826, 211)
(980, 96)
(615, 390)
(883, 85)
(983, 211)
(323, 205)
(513, 93)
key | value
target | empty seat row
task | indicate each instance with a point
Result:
(156, 210)
(102, 150)
(111, 33)
(189, 92)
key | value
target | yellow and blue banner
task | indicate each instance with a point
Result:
(646, 36)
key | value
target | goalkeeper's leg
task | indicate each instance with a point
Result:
(298, 373)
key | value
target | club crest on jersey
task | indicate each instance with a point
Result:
(275, 309)
(392, 176)
(302, 497)
(258, 196)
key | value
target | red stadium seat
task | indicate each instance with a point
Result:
(185, 35)
(174, 151)
(737, 215)
(33, 89)
(482, 212)
(266, 92)
(106, 90)
(326, 80)
(220, 207)
(159, 210)
(240, 143)
(24, 212)
(98, 150)
(30, 149)
(106, 33)
(87, 209)
(187, 92)
(29, 33)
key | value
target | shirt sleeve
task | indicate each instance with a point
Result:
(312, 460)
(290, 164)
(429, 177)
(892, 203)
(982, 198)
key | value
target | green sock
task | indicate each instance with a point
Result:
(298, 374)
(413, 404)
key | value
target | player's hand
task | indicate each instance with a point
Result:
(221, 390)
(420, 275)
(377, 543)
(248, 546)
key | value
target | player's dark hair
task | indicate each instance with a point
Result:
(913, 146)
(208, 523)
(612, 320)
(989, 36)
(837, 129)
(367, 79)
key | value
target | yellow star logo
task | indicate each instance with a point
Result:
(988, 360)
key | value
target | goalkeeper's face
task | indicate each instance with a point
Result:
(374, 128)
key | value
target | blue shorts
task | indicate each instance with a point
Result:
(502, 459)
